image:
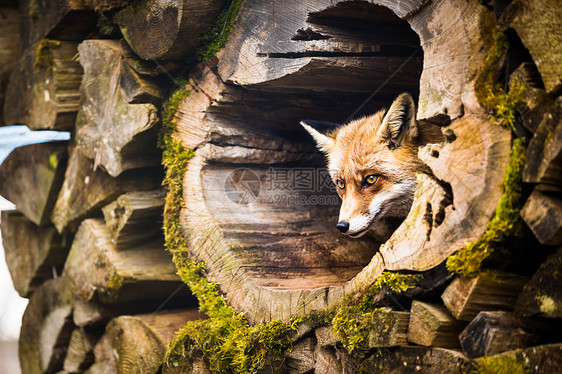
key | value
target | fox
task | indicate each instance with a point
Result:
(373, 162)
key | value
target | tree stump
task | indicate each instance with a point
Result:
(271, 247)
(43, 92)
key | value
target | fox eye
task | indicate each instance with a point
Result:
(340, 184)
(371, 179)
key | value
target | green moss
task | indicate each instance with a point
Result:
(53, 161)
(498, 365)
(115, 281)
(43, 55)
(354, 317)
(506, 222)
(34, 9)
(501, 104)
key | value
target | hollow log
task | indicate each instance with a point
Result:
(432, 325)
(9, 40)
(543, 214)
(43, 93)
(134, 217)
(32, 177)
(139, 342)
(58, 19)
(111, 128)
(166, 29)
(33, 254)
(80, 353)
(245, 216)
(46, 327)
(466, 297)
(86, 190)
(542, 296)
(101, 273)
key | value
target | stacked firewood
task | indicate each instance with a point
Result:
(85, 244)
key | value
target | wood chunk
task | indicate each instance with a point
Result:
(10, 42)
(433, 325)
(544, 155)
(171, 29)
(542, 296)
(135, 217)
(43, 93)
(46, 327)
(533, 106)
(542, 359)
(406, 360)
(105, 357)
(495, 332)
(325, 336)
(86, 190)
(140, 341)
(32, 177)
(111, 128)
(327, 361)
(466, 297)
(543, 214)
(57, 19)
(389, 328)
(99, 272)
(33, 254)
(80, 353)
(192, 362)
(538, 25)
(301, 358)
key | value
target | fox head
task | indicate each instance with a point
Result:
(373, 162)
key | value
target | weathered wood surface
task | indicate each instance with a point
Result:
(80, 353)
(301, 359)
(544, 156)
(31, 177)
(491, 333)
(104, 357)
(543, 214)
(101, 273)
(10, 52)
(542, 296)
(193, 363)
(139, 342)
(86, 190)
(466, 297)
(542, 359)
(46, 327)
(389, 328)
(322, 64)
(135, 217)
(166, 29)
(105, 5)
(58, 19)
(33, 254)
(113, 130)
(43, 93)
(432, 325)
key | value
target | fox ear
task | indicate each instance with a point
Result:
(399, 122)
(318, 130)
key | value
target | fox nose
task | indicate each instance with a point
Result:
(342, 226)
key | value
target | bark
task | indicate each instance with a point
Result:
(9, 40)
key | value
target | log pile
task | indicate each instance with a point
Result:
(86, 245)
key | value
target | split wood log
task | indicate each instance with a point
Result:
(105, 357)
(80, 353)
(32, 177)
(325, 336)
(58, 19)
(111, 127)
(46, 327)
(10, 51)
(135, 217)
(242, 118)
(86, 190)
(466, 297)
(432, 325)
(534, 106)
(301, 359)
(101, 273)
(538, 25)
(540, 359)
(33, 254)
(543, 214)
(43, 93)
(544, 155)
(327, 361)
(166, 29)
(389, 328)
(415, 359)
(139, 342)
(542, 296)
(491, 333)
